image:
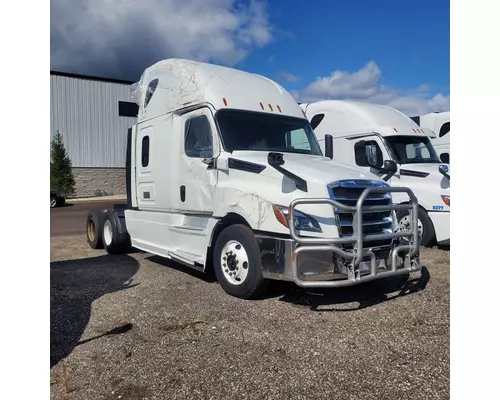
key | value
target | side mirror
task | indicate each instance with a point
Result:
(445, 158)
(390, 168)
(329, 146)
(443, 169)
(371, 155)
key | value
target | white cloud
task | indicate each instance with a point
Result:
(364, 85)
(119, 38)
(286, 77)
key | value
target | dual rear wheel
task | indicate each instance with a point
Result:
(104, 231)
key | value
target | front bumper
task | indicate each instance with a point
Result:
(324, 262)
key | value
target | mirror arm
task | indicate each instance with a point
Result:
(445, 174)
(388, 169)
(388, 176)
(211, 162)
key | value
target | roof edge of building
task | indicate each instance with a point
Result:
(90, 77)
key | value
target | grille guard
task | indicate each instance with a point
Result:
(358, 238)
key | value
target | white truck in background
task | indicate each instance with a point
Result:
(439, 123)
(366, 135)
(214, 180)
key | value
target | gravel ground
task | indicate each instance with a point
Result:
(139, 327)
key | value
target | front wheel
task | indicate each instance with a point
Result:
(237, 262)
(425, 228)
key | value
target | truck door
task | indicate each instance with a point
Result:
(197, 175)
(370, 147)
(145, 190)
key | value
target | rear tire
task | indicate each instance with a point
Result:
(237, 262)
(94, 228)
(114, 241)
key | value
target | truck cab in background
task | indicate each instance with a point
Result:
(224, 171)
(439, 123)
(366, 136)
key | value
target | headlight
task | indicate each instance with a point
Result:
(446, 200)
(302, 221)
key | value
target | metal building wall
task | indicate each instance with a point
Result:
(85, 112)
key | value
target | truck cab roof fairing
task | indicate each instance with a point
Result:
(183, 83)
(345, 118)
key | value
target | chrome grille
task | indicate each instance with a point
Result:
(348, 193)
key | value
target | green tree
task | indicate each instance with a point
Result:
(61, 174)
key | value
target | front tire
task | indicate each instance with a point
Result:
(237, 262)
(425, 228)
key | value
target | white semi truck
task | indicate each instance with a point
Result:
(439, 123)
(214, 180)
(367, 135)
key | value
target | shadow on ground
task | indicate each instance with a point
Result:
(208, 276)
(344, 299)
(74, 285)
(366, 294)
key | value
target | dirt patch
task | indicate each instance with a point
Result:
(189, 339)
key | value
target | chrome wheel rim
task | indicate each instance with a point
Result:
(404, 225)
(234, 262)
(108, 232)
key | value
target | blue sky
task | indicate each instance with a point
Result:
(387, 52)
(409, 41)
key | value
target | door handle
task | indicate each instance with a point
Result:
(183, 193)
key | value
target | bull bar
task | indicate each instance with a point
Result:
(358, 238)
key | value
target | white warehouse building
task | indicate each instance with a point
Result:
(93, 115)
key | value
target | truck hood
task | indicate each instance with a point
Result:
(424, 177)
(316, 169)
(253, 186)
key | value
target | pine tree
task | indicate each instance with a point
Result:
(61, 174)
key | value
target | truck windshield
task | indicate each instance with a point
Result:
(245, 130)
(412, 150)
